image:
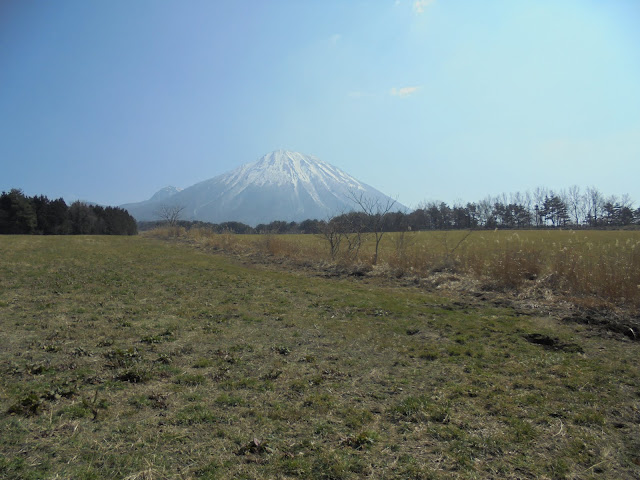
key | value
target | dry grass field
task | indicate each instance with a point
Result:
(597, 267)
(142, 358)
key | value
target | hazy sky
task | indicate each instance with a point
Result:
(109, 101)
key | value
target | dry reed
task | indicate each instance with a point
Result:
(603, 265)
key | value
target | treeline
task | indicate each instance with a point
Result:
(226, 227)
(275, 227)
(543, 208)
(20, 214)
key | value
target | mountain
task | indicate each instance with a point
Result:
(164, 193)
(281, 185)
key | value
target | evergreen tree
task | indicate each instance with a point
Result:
(17, 215)
(52, 216)
(83, 219)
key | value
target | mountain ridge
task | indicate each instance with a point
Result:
(281, 185)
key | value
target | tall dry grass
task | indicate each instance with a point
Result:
(596, 264)
(610, 270)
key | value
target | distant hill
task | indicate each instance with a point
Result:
(282, 185)
(164, 193)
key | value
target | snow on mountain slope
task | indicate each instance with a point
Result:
(281, 185)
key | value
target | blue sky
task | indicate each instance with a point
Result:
(451, 100)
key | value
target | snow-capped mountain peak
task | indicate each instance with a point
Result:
(286, 169)
(281, 185)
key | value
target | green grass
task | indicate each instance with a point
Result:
(135, 358)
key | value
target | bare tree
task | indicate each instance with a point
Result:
(574, 200)
(352, 227)
(331, 230)
(170, 213)
(595, 203)
(377, 210)
(539, 194)
(485, 211)
(344, 229)
(626, 201)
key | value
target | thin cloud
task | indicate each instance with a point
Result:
(420, 5)
(403, 91)
(335, 38)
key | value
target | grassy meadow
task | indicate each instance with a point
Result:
(138, 358)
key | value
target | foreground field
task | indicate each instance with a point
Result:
(135, 358)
